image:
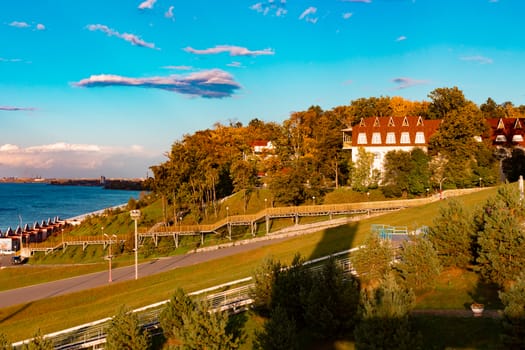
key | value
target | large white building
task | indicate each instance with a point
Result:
(380, 135)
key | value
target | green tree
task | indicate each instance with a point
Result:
(385, 321)
(501, 236)
(490, 109)
(125, 332)
(372, 261)
(331, 303)
(444, 101)
(192, 325)
(362, 174)
(279, 332)
(513, 299)
(5, 344)
(39, 342)
(419, 265)
(264, 279)
(452, 235)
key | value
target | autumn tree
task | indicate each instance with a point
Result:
(125, 332)
(501, 252)
(452, 235)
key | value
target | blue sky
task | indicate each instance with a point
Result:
(104, 87)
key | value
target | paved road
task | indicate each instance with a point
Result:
(75, 284)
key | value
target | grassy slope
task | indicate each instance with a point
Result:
(61, 312)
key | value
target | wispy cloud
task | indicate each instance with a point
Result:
(131, 38)
(16, 109)
(18, 24)
(235, 64)
(401, 38)
(361, 1)
(306, 15)
(147, 4)
(478, 59)
(232, 50)
(277, 7)
(213, 83)
(2, 59)
(53, 158)
(178, 67)
(403, 82)
(347, 15)
(40, 26)
(169, 13)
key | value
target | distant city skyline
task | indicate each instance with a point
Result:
(103, 88)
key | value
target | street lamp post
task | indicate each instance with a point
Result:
(21, 235)
(135, 215)
(110, 256)
(313, 200)
(480, 182)
(441, 187)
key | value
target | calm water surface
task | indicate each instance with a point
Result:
(38, 201)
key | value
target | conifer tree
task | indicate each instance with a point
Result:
(513, 335)
(452, 235)
(5, 344)
(373, 260)
(501, 248)
(419, 264)
(125, 332)
(385, 321)
(279, 332)
(331, 304)
(39, 342)
(264, 280)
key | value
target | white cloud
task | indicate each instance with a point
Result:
(278, 7)
(404, 82)
(235, 64)
(178, 67)
(147, 4)
(232, 50)
(401, 38)
(347, 15)
(40, 26)
(309, 11)
(361, 1)
(213, 83)
(131, 38)
(169, 13)
(18, 24)
(479, 59)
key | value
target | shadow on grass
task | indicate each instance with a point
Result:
(16, 312)
(487, 294)
(441, 332)
(335, 240)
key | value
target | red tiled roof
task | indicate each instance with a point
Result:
(507, 129)
(395, 125)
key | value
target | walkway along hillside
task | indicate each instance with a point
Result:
(263, 217)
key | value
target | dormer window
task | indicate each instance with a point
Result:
(376, 122)
(517, 138)
(501, 125)
(361, 138)
(501, 138)
(391, 122)
(376, 138)
(405, 122)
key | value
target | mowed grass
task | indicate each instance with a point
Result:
(22, 321)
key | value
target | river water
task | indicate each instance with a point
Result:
(33, 202)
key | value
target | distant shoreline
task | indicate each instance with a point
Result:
(110, 184)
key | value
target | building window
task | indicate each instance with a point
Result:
(376, 138)
(390, 138)
(420, 137)
(405, 137)
(517, 138)
(361, 138)
(501, 138)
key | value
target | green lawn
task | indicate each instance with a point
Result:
(54, 314)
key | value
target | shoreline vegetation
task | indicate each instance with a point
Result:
(110, 184)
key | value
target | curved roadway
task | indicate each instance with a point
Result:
(75, 284)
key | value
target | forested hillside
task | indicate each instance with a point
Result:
(306, 158)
